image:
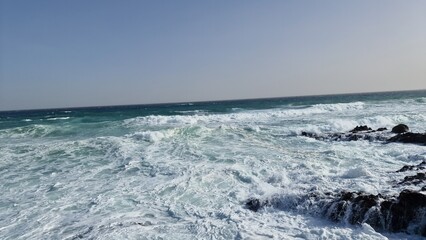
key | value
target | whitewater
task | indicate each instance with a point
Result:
(185, 171)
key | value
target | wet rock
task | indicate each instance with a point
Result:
(365, 133)
(407, 211)
(408, 208)
(360, 129)
(351, 207)
(415, 179)
(307, 134)
(400, 128)
(254, 204)
(403, 213)
(409, 137)
(358, 133)
(419, 166)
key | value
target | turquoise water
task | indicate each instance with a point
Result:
(183, 171)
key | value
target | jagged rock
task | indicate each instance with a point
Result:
(382, 213)
(400, 128)
(365, 133)
(404, 213)
(419, 166)
(415, 179)
(358, 133)
(337, 210)
(417, 138)
(311, 135)
(381, 129)
(407, 208)
(360, 129)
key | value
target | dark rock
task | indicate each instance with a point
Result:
(417, 138)
(400, 128)
(346, 196)
(419, 166)
(404, 213)
(254, 204)
(382, 213)
(335, 211)
(311, 135)
(409, 207)
(358, 133)
(360, 129)
(351, 206)
(415, 180)
(365, 133)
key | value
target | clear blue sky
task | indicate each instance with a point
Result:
(86, 53)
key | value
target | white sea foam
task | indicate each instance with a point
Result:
(340, 106)
(35, 130)
(192, 112)
(247, 116)
(57, 118)
(152, 136)
(356, 173)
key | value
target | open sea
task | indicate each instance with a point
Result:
(185, 171)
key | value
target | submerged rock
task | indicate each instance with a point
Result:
(400, 128)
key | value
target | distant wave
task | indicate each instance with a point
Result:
(35, 130)
(250, 116)
(192, 112)
(339, 106)
(58, 118)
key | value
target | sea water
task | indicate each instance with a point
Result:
(184, 171)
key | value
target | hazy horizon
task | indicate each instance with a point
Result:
(103, 53)
(211, 101)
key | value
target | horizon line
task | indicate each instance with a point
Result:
(201, 101)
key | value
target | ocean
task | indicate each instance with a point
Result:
(186, 171)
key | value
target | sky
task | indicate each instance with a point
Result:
(110, 52)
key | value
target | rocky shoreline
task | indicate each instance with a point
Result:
(405, 212)
(399, 133)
